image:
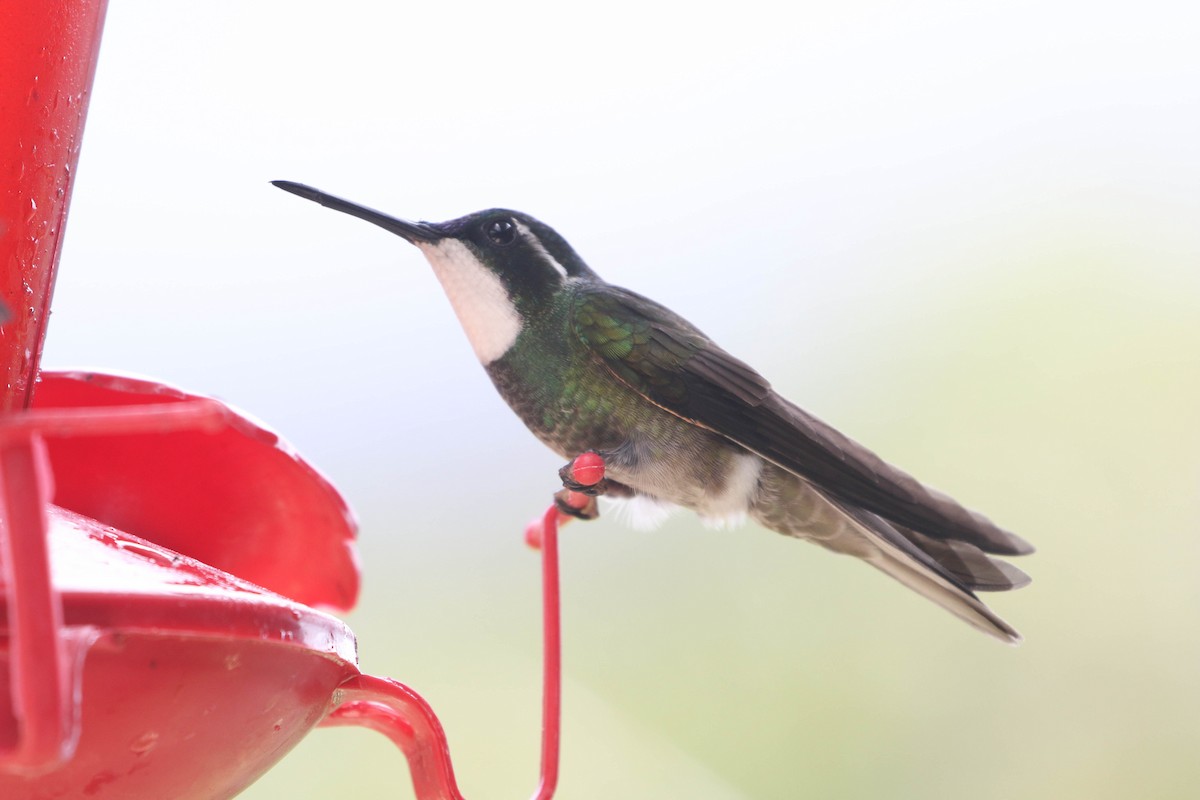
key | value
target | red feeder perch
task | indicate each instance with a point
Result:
(159, 553)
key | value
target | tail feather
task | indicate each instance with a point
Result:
(963, 604)
(972, 567)
(942, 570)
(945, 569)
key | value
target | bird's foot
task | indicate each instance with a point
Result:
(582, 479)
(576, 504)
(585, 474)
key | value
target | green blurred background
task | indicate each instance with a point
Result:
(965, 235)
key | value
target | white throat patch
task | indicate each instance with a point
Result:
(478, 296)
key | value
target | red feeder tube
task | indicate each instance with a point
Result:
(48, 51)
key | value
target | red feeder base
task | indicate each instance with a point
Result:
(191, 682)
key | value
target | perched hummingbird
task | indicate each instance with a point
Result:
(589, 366)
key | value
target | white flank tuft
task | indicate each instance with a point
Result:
(640, 512)
(730, 508)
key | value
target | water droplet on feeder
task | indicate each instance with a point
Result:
(144, 743)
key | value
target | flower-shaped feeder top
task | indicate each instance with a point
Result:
(138, 670)
(236, 497)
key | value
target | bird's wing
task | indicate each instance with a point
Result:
(673, 365)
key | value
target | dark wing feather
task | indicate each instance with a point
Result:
(675, 366)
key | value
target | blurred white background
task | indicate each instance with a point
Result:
(966, 234)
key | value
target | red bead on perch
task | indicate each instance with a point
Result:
(588, 468)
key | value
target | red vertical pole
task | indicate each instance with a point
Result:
(48, 52)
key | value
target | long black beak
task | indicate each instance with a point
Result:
(412, 231)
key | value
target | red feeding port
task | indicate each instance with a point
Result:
(160, 553)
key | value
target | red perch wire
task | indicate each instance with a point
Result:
(588, 469)
(403, 716)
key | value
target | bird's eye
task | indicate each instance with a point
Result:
(501, 231)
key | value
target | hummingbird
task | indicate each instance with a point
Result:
(591, 367)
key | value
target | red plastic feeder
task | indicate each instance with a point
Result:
(159, 552)
(137, 671)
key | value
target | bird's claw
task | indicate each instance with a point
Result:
(576, 504)
(593, 490)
